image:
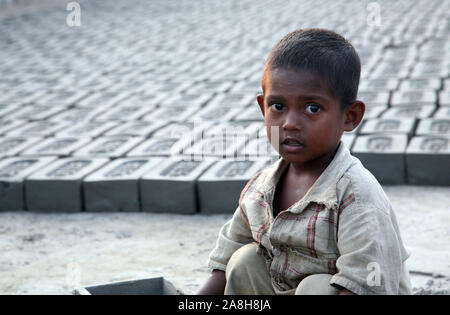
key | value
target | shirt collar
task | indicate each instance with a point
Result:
(324, 189)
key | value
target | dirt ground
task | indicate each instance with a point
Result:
(44, 253)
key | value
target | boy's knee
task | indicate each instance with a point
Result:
(242, 259)
(247, 272)
(318, 284)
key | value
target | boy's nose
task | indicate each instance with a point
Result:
(292, 122)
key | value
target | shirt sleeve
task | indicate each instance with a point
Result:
(233, 234)
(371, 252)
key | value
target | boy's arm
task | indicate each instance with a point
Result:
(234, 234)
(215, 285)
(371, 251)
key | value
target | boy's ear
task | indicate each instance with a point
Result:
(354, 113)
(260, 100)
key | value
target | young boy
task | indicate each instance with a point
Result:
(316, 221)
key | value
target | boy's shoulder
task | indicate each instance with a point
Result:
(362, 185)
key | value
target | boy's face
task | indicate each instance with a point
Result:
(308, 117)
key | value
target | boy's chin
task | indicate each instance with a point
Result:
(292, 157)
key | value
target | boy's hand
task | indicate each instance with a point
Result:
(215, 285)
(346, 292)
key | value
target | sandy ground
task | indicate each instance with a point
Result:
(45, 253)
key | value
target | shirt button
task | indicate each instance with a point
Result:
(276, 252)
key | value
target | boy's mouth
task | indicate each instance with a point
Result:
(292, 144)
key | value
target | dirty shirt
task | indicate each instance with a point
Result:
(344, 226)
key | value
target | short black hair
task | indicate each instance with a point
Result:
(324, 53)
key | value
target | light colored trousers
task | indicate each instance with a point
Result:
(247, 274)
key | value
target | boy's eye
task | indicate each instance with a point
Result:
(277, 107)
(313, 108)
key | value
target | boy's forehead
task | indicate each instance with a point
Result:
(286, 80)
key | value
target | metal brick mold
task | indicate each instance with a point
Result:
(151, 286)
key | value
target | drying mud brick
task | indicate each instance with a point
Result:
(7, 125)
(181, 129)
(444, 97)
(374, 98)
(374, 111)
(423, 84)
(257, 148)
(137, 128)
(54, 146)
(115, 187)
(37, 112)
(79, 114)
(220, 187)
(234, 128)
(11, 146)
(434, 126)
(416, 97)
(41, 128)
(171, 113)
(428, 159)
(13, 172)
(378, 85)
(413, 111)
(389, 125)
(110, 147)
(383, 155)
(124, 113)
(443, 112)
(215, 113)
(57, 187)
(171, 187)
(215, 148)
(252, 113)
(90, 129)
(160, 147)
